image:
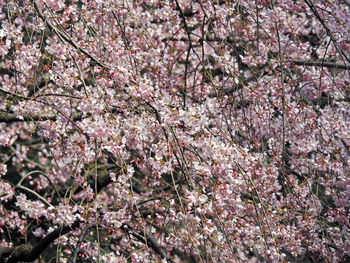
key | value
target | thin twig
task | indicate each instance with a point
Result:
(26, 189)
(43, 174)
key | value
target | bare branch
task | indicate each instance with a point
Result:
(9, 117)
(324, 64)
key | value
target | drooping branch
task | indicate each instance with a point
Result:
(323, 23)
(28, 253)
(77, 248)
(64, 36)
(190, 46)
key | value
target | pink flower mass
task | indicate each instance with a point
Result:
(174, 131)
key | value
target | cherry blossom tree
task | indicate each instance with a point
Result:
(174, 131)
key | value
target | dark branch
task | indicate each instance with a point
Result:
(28, 253)
(324, 64)
(6, 71)
(151, 242)
(77, 248)
(9, 117)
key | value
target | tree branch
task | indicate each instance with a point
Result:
(28, 253)
(150, 241)
(324, 64)
(9, 117)
(77, 248)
